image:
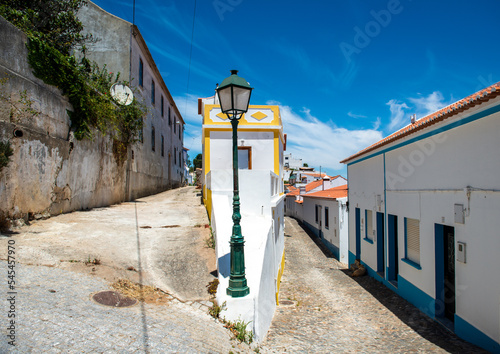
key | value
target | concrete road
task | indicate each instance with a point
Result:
(160, 239)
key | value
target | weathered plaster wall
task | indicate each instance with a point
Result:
(50, 171)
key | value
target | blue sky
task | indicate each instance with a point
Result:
(345, 73)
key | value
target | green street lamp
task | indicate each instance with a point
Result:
(234, 96)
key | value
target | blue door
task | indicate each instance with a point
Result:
(358, 234)
(392, 230)
(380, 245)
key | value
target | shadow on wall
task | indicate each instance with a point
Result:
(225, 265)
(316, 240)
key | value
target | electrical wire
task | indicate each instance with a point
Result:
(190, 56)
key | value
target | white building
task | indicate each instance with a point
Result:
(325, 214)
(323, 210)
(156, 162)
(291, 162)
(424, 215)
(260, 148)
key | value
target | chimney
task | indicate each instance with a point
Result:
(413, 118)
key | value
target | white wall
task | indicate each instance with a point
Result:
(262, 144)
(366, 181)
(424, 180)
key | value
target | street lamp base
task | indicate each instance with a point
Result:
(237, 291)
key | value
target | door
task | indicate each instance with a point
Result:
(358, 234)
(380, 245)
(320, 221)
(445, 271)
(449, 273)
(392, 230)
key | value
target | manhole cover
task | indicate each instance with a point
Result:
(113, 299)
(287, 302)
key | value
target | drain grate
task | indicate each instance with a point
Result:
(113, 299)
(287, 302)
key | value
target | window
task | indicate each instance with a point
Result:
(162, 146)
(244, 157)
(169, 117)
(175, 124)
(141, 73)
(412, 240)
(369, 226)
(316, 210)
(175, 156)
(153, 138)
(161, 100)
(327, 218)
(180, 128)
(180, 160)
(141, 135)
(152, 92)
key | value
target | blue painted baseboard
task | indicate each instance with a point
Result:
(427, 305)
(331, 247)
(471, 334)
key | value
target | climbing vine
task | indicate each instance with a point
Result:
(50, 38)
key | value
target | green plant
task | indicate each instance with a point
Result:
(215, 309)
(21, 107)
(53, 30)
(210, 240)
(94, 261)
(212, 286)
(54, 22)
(239, 329)
(5, 222)
(5, 154)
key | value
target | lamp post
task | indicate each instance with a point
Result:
(234, 96)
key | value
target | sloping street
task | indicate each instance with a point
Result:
(324, 310)
(160, 240)
(62, 261)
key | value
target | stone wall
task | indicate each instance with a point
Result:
(50, 171)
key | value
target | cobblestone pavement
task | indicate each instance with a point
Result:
(333, 312)
(54, 314)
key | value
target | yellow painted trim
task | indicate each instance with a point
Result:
(280, 273)
(206, 153)
(243, 122)
(276, 153)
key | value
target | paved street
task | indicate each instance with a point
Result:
(54, 314)
(332, 312)
(327, 311)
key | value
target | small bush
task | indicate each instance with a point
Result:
(215, 310)
(239, 329)
(5, 154)
(212, 287)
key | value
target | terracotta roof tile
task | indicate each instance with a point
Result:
(313, 184)
(336, 192)
(443, 114)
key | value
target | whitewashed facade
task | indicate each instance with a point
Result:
(260, 145)
(424, 207)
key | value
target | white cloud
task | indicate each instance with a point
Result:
(315, 142)
(429, 104)
(356, 116)
(421, 106)
(188, 107)
(320, 144)
(397, 114)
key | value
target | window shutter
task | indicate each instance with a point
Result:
(413, 240)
